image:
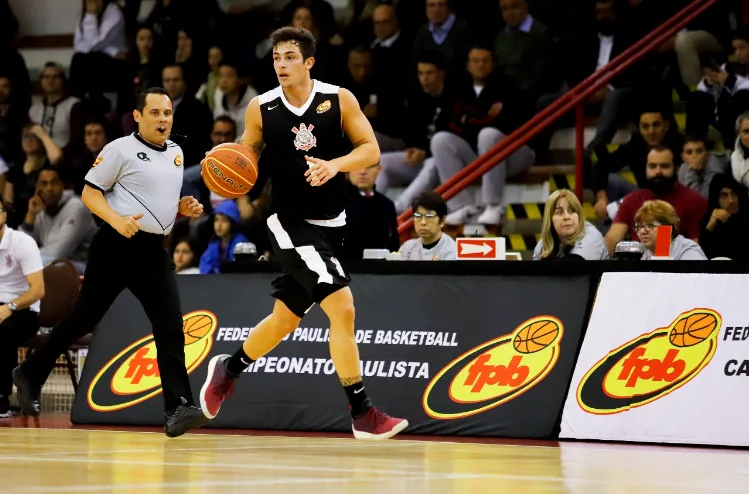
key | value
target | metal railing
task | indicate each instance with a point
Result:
(575, 98)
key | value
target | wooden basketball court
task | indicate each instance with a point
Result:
(49, 455)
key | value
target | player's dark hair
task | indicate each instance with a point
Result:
(431, 201)
(140, 101)
(297, 35)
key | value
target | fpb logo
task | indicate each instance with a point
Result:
(495, 372)
(652, 365)
(132, 376)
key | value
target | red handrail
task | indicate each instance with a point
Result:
(562, 105)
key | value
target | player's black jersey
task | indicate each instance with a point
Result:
(289, 134)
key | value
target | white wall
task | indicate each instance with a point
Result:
(46, 17)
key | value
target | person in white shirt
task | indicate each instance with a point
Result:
(21, 289)
(101, 49)
(430, 211)
(657, 213)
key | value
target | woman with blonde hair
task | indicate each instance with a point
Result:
(657, 213)
(565, 234)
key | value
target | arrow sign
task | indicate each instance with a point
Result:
(481, 248)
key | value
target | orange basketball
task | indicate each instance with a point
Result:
(196, 327)
(693, 329)
(228, 170)
(536, 336)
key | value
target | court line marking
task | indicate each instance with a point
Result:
(209, 483)
(408, 475)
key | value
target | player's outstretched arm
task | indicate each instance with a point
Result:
(358, 129)
(252, 138)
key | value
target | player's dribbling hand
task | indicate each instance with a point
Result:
(127, 226)
(320, 171)
(190, 207)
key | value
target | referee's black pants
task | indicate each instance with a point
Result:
(141, 264)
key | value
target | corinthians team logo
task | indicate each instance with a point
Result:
(132, 376)
(304, 140)
(652, 365)
(495, 372)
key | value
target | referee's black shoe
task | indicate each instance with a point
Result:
(184, 418)
(28, 394)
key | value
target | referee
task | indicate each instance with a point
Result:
(134, 186)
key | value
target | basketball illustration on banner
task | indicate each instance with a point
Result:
(652, 365)
(495, 372)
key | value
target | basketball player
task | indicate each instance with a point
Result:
(305, 129)
(134, 186)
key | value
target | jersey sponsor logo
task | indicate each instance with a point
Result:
(98, 161)
(495, 372)
(304, 140)
(132, 376)
(324, 106)
(143, 157)
(652, 365)
(178, 160)
(272, 107)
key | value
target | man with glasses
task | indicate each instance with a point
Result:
(21, 289)
(430, 211)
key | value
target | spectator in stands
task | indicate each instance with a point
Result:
(655, 130)
(370, 216)
(565, 234)
(96, 134)
(358, 79)
(224, 130)
(523, 53)
(327, 55)
(722, 94)
(145, 65)
(58, 220)
(13, 115)
(484, 113)
(392, 59)
(192, 57)
(191, 117)
(661, 184)
(101, 49)
(3, 180)
(588, 52)
(13, 66)
(725, 225)
(59, 113)
(740, 154)
(21, 289)
(233, 95)
(657, 213)
(207, 91)
(699, 166)
(165, 20)
(427, 105)
(225, 221)
(185, 260)
(430, 211)
(443, 32)
(39, 150)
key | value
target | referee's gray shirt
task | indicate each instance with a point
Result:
(139, 177)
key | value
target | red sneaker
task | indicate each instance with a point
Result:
(377, 426)
(218, 386)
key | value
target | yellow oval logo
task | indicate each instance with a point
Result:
(132, 376)
(98, 161)
(652, 365)
(324, 106)
(178, 160)
(495, 372)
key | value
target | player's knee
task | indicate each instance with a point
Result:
(343, 315)
(284, 321)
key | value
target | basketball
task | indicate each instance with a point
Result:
(693, 329)
(228, 170)
(536, 336)
(196, 327)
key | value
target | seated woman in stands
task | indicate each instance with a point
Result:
(657, 213)
(725, 226)
(565, 234)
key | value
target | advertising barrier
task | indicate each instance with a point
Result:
(455, 355)
(665, 359)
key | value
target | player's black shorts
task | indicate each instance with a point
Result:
(307, 254)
